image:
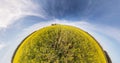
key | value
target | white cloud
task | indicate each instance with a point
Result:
(2, 46)
(112, 32)
(10, 10)
(83, 24)
(37, 26)
(89, 27)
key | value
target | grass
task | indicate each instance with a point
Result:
(59, 44)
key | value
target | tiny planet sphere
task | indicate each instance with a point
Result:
(59, 44)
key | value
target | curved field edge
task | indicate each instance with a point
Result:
(64, 26)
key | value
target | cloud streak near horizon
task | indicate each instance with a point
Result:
(11, 11)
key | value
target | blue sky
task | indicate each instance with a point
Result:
(19, 18)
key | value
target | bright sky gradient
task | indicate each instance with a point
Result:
(19, 18)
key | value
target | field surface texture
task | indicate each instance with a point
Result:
(59, 44)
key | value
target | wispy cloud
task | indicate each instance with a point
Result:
(110, 31)
(83, 24)
(2, 46)
(37, 26)
(12, 10)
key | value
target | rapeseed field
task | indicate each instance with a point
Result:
(59, 44)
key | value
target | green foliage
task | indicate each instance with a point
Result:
(59, 44)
